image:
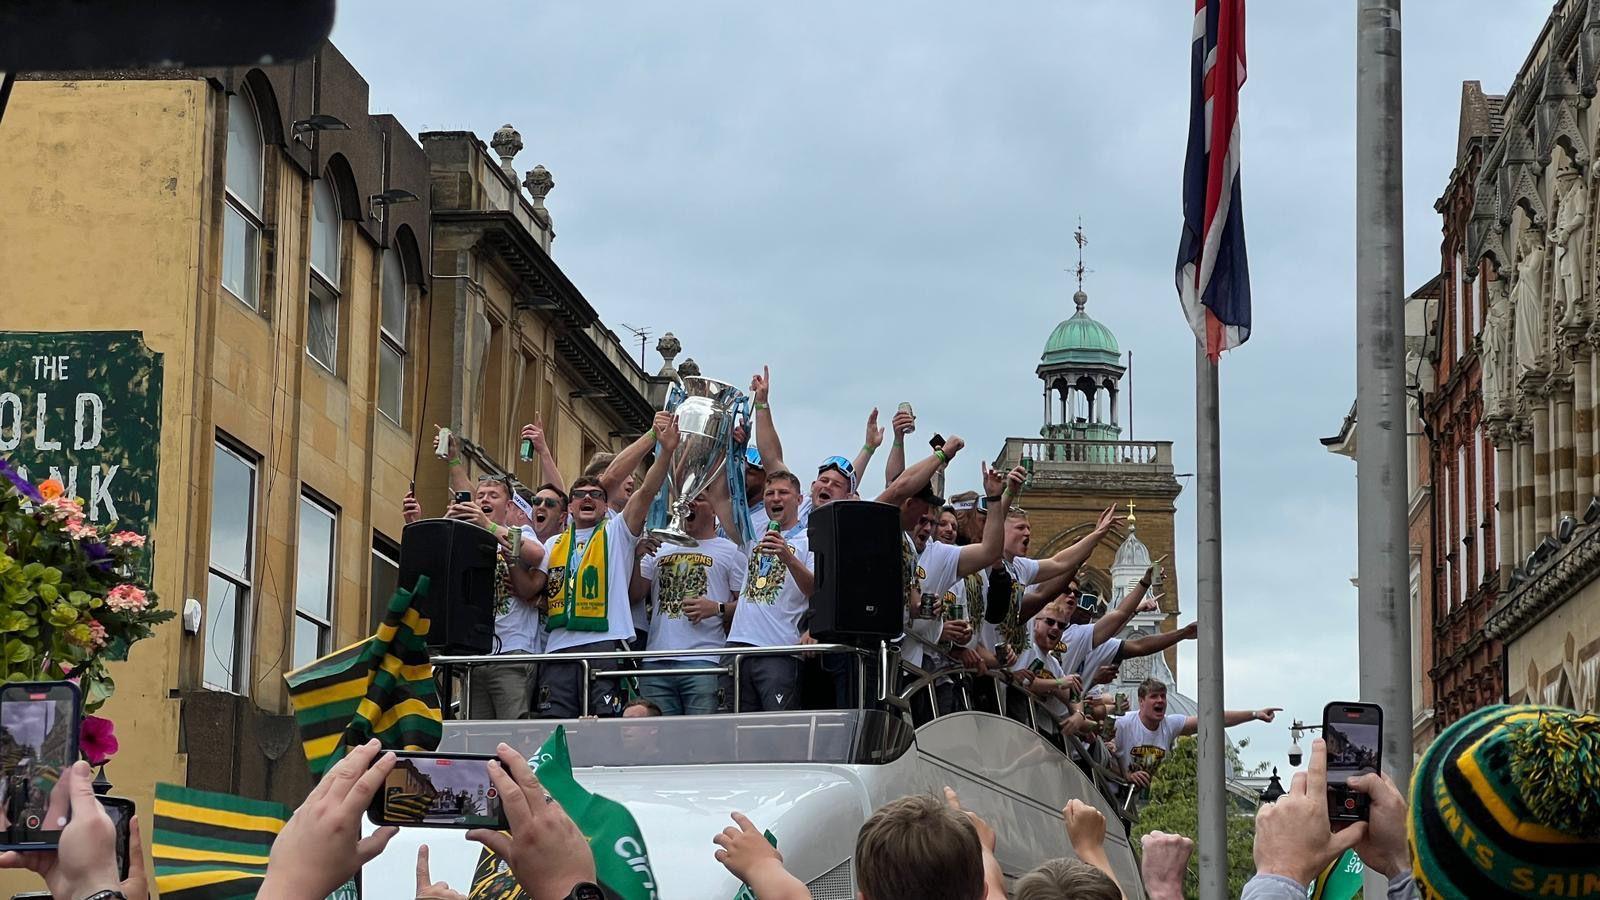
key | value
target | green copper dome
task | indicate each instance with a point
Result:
(1081, 340)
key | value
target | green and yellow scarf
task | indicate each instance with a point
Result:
(580, 603)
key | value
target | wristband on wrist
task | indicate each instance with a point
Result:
(994, 498)
(760, 406)
(943, 459)
(651, 434)
(454, 461)
(899, 441)
(868, 449)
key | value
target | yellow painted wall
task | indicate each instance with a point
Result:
(101, 193)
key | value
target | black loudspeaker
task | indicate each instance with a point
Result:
(459, 560)
(860, 590)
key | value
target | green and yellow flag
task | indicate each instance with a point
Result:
(381, 688)
(1341, 880)
(210, 846)
(621, 862)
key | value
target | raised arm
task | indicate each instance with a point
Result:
(869, 446)
(460, 479)
(977, 557)
(547, 460)
(624, 463)
(766, 432)
(903, 424)
(918, 476)
(1113, 621)
(1232, 717)
(1149, 644)
(638, 506)
(1069, 559)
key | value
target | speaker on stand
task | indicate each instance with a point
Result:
(459, 560)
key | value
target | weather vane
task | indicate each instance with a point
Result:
(1078, 236)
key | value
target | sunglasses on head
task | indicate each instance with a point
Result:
(588, 494)
(552, 502)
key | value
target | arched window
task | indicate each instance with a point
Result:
(322, 314)
(242, 213)
(392, 339)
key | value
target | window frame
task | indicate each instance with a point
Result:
(243, 582)
(389, 551)
(325, 628)
(396, 344)
(254, 219)
(327, 282)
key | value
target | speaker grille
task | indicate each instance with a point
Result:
(835, 884)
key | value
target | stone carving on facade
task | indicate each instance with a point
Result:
(669, 347)
(539, 183)
(1567, 242)
(1495, 349)
(689, 368)
(507, 143)
(1528, 302)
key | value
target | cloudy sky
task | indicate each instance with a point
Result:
(878, 200)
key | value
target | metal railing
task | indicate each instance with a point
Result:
(1089, 453)
(732, 656)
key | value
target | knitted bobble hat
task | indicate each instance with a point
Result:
(1506, 803)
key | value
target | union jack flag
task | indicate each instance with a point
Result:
(1213, 272)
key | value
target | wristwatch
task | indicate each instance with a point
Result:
(107, 895)
(583, 890)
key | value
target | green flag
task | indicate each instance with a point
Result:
(1341, 880)
(210, 846)
(744, 889)
(621, 862)
(381, 687)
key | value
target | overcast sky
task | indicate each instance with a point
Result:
(878, 200)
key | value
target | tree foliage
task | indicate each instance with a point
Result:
(1174, 807)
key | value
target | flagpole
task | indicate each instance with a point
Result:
(1212, 834)
(1382, 544)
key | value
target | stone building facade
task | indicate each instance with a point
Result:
(323, 289)
(1529, 252)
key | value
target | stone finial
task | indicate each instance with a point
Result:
(538, 183)
(689, 369)
(669, 347)
(507, 143)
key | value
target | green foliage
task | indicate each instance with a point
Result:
(1174, 808)
(56, 573)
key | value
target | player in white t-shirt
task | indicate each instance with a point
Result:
(1011, 637)
(572, 586)
(777, 592)
(1041, 672)
(690, 590)
(1145, 735)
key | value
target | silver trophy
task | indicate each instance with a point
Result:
(705, 418)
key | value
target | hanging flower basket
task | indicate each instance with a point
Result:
(71, 596)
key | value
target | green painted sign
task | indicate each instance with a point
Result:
(84, 407)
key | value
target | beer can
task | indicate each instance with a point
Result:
(1036, 667)
(441, 444)
(956, 610)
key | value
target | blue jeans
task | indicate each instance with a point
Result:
(677, 695)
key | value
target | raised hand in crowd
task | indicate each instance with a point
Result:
(761, 385)
(410, 509)
(321, 846)
(647, 545)
(903, 424)
(744, 850)
(427, 888)
(994, 481)
(545, 850)
(1086, 831)
(874, 437)
(993, 876)
(85, 861)
(1293, 837)
(1164, 863)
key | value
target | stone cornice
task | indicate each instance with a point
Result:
(1561, 578)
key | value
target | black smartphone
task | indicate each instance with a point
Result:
(121, 811)
(463, 496)
(1353, 733)
(38, 742)
(439, 790)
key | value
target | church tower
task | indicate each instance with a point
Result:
(1080, 465)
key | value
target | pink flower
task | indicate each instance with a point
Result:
(126, 539)
(77, 530)
(98, 740)
(97, 635)
(126, 598)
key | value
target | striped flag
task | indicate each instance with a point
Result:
(381, 688)
(210, 846)
(1213, 272)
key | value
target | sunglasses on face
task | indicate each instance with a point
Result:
(552, 502)
(1053, 623)
(588, 494)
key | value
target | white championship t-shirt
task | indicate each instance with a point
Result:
(619, 572)
(771, 604)
(1103, 655)
(1141, 749)
(1047, 667)
(714, 570)
(1013, 630)
(1077, 642)
(935, 573)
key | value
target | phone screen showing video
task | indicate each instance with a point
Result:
(38, 743)
(1352, 749)
(121, 813)
(441, 792)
